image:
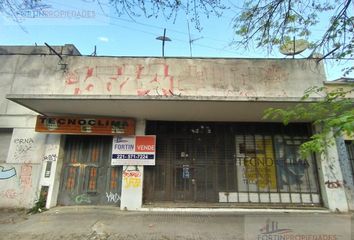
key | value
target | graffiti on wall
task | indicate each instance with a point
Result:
(162, 80)
(25, 146)
(50, 157)
(132, 178)
(9, 193)
(112, 197)
(22, 146)
(334, 184)
(83, 198)
(26, 176)
(7, 173)
(120, 78)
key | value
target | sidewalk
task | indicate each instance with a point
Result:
(108, 223)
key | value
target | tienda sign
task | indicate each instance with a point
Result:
(134, 150)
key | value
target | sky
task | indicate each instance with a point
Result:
(87, 24)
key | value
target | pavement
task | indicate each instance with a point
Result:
(108, 223)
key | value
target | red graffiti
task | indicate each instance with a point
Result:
(156, 78)
(166, 70)
(26, 176)
(89, 73)
(139, 70)
(119, 71)
(89, 87)
(10, 193)
(166, 92)
(131, 174)
(72, 78)
(109, 86)
(77, 91)
(142, 92)
(122, 84)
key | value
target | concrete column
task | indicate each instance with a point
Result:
(331, 181)
(50, 176)
(132, 179)
(346, 171)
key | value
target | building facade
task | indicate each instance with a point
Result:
(200, 139)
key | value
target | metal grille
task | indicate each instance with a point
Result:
(231, 163)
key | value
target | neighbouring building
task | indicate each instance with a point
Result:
(145, 132)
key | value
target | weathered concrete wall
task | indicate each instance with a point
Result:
(81, 75)
(331, 180)
(52, 165)
(20, 174)
(187, 77)
(132, 179)
(78, 75)
(346, 168)
(67, 49)
(346, 86)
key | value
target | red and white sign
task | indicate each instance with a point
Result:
(134, 150)
(145, 143)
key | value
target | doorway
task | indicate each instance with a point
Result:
(87, 175)
(238, 163)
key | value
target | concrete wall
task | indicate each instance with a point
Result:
(20, 174)
(50, 176)
(345, 164)
(79, 75)
(132, 196)
(346, 86)
(82, 75)
(331, 179)
(67, 49)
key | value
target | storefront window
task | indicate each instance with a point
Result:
(231, 162)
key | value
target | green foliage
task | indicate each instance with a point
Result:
(169, 8)
(39, 205)
(270, 23)
(331, 112)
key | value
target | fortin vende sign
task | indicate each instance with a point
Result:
(134, 150)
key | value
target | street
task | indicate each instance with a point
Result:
(108, 223)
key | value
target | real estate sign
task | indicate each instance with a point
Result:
(134, 150)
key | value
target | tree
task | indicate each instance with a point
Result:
(170, 8)
(332, 114)
(270, 23)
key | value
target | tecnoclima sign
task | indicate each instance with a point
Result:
(134, 150)
(86, 126)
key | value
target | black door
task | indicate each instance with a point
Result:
(194, 169)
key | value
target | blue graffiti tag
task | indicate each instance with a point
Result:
(6, 174)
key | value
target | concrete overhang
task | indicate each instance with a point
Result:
(172, 108)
